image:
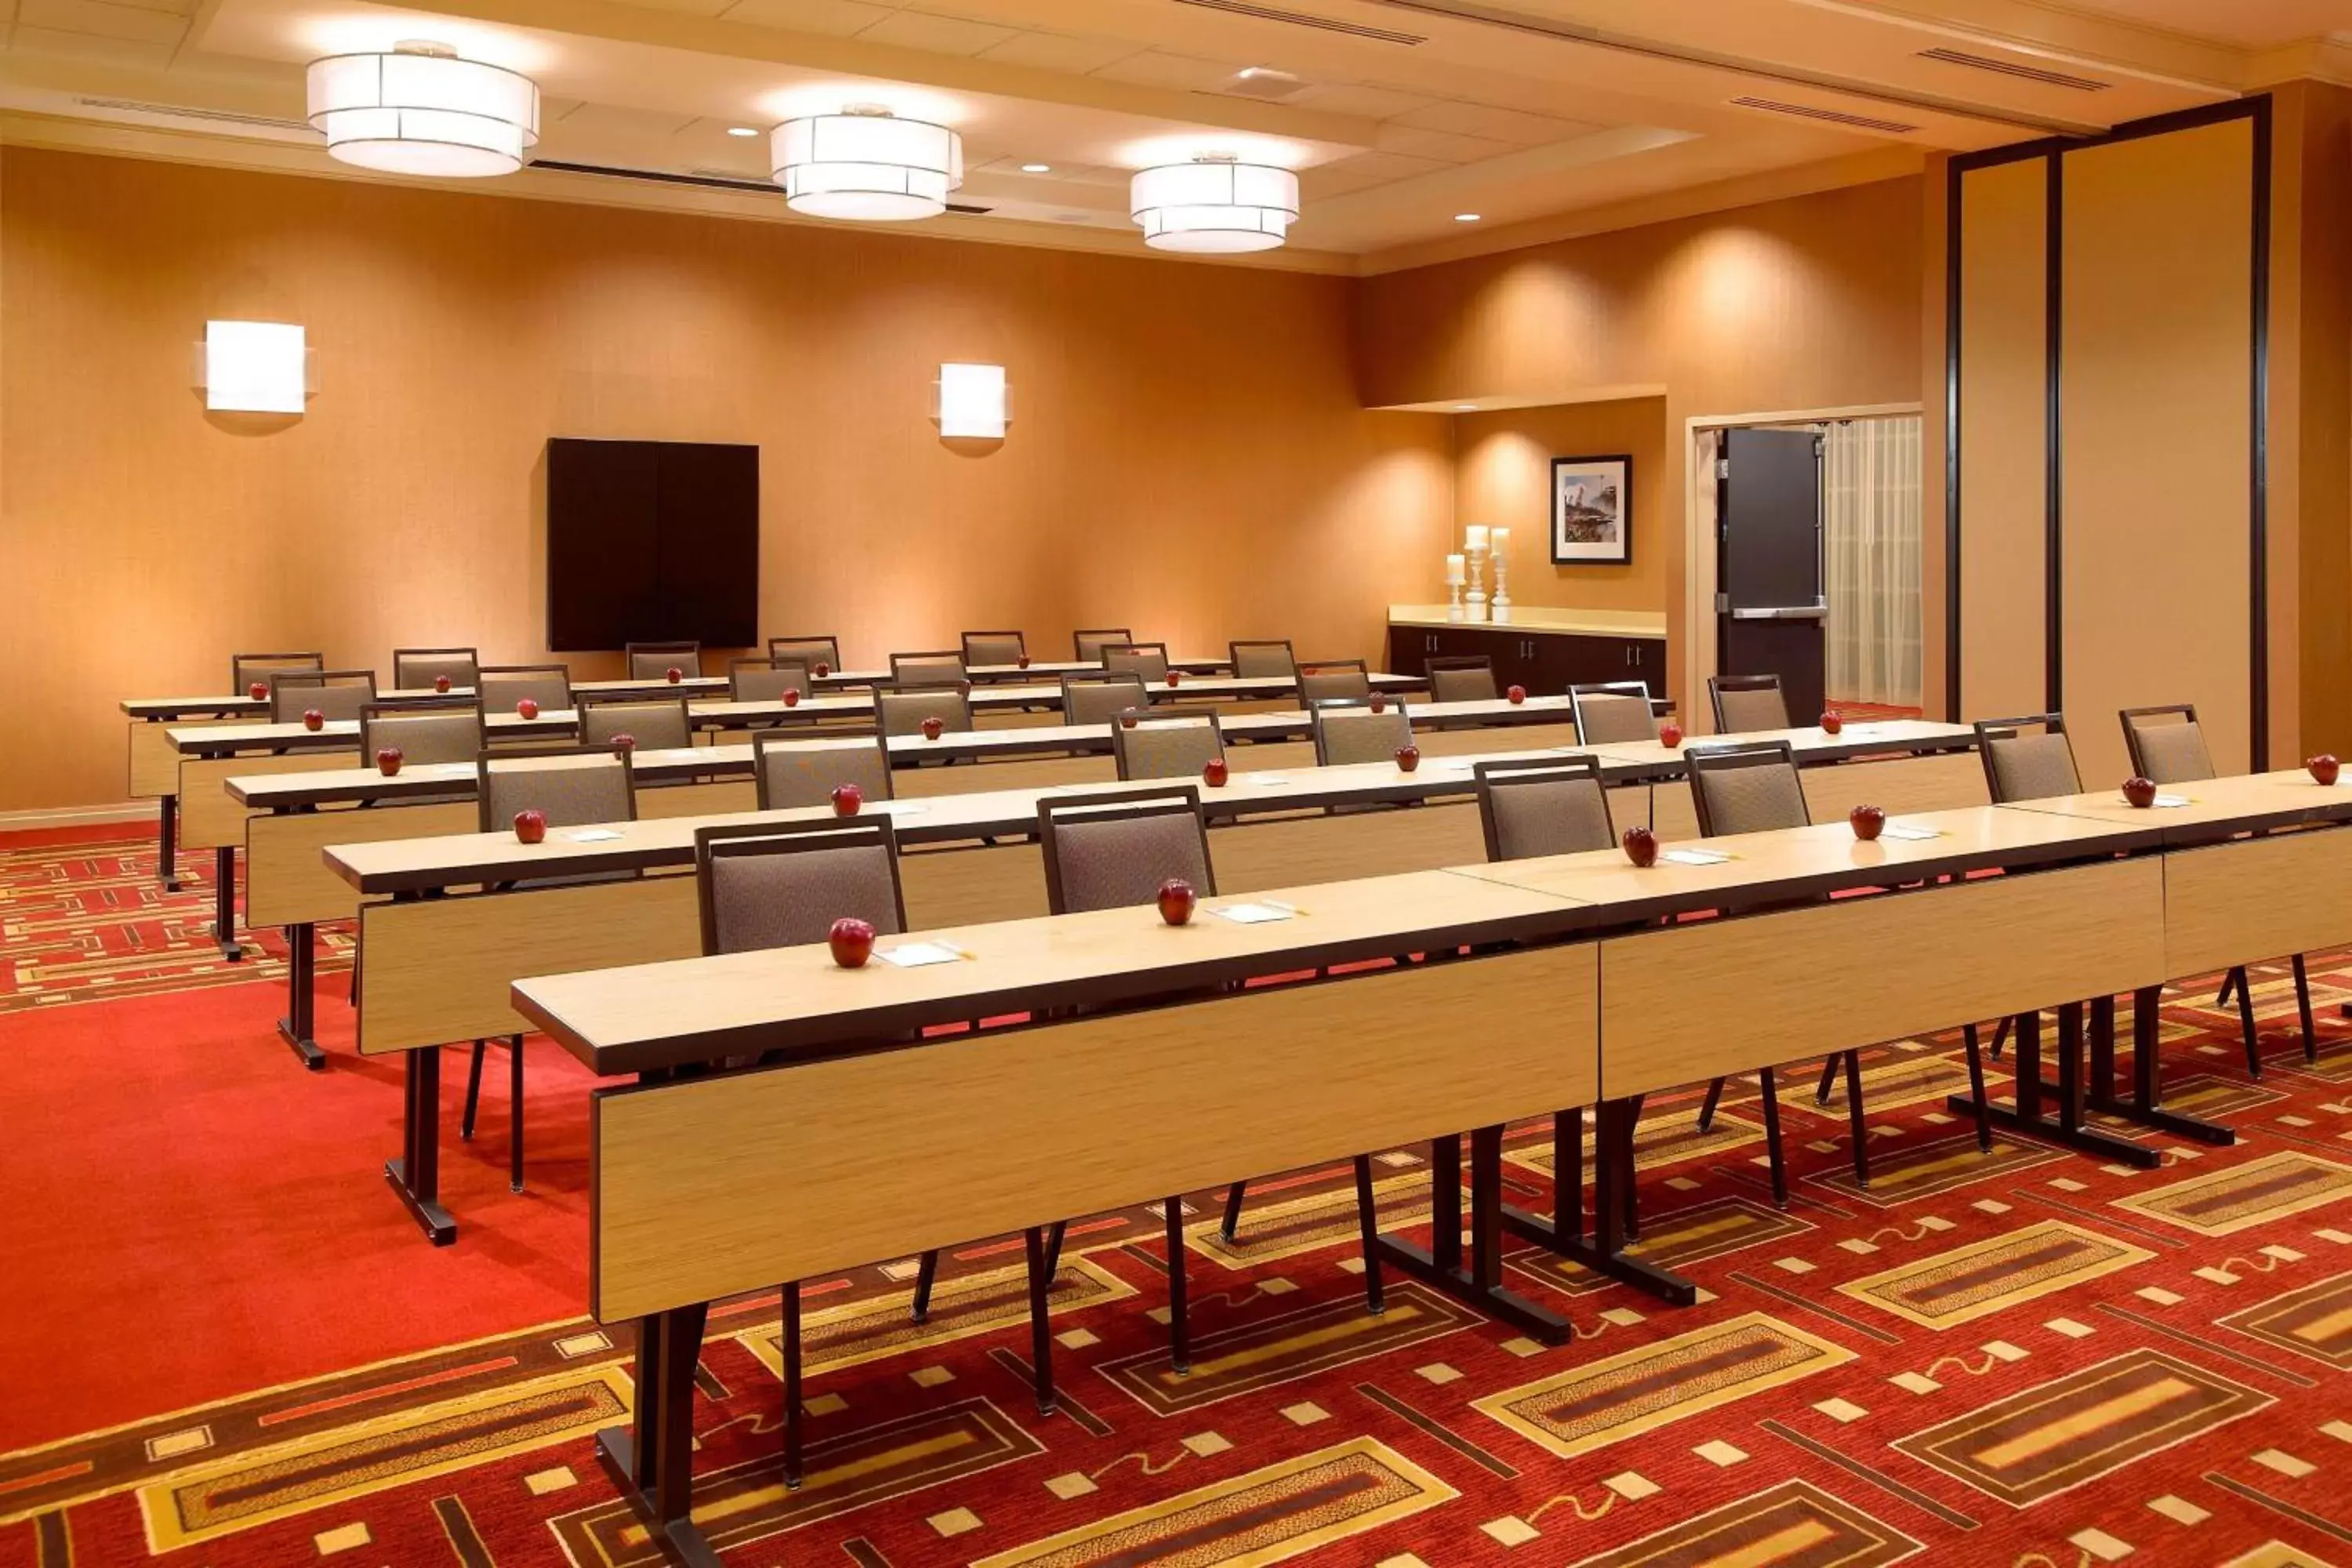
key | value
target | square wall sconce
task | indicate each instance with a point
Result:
(974, 404)
(255, 367)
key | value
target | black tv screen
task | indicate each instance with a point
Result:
(652, 541)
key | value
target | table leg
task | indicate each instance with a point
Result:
(415, 1177)
(1439, 1263)
(301, 977)
(2025, 1115)
(2144, 1107)
(651, 1460)
(224, 904)
(167, 843)
(1604, 1253)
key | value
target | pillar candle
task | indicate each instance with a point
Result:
(1475, 536)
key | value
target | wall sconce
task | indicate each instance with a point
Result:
(255, 367)
(974, 404)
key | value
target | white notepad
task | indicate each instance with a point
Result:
(1253, 914)
(901, 807)
(1909, 831)
(916, 954)
(592, 835)
(1266, 778)
(1695, 856)
(2172, 800)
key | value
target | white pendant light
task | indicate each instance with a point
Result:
(420, 109)
(1214, 205)
(866, 165)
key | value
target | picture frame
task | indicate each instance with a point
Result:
(1592, 510)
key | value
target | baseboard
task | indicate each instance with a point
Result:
(76, 815)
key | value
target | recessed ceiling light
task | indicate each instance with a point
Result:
(1036, 168)
(743, 131)
(1465, 217)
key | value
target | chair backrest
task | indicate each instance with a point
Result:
(1614, 711)
(1542, 805)
(1168, 743)
(1333, 680)
(336, 693)
(792, 772)
(1463, 677)
(656, 724)
(766, 679)
(2027, 758)
(944, 667)
(246, 669)
(1753, 787)
(414, 668)
(1101, 699)
(902, 712)
(1109, 851)
(810, 650)
(782, 884)
(653, 661)
(1264, 659)
(504, 685)
(1348, 730)
(425, 733)
(573, 785)
(1748, 704)
(1088, 643)
(2166, 744)
(994, 647)
(1147, 660)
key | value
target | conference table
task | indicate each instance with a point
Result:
(1581, 978)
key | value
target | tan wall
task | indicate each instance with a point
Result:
(1502, 475)
(1188, 453)
(1808, 303)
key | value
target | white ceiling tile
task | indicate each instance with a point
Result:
(1153, 68)
(833, 18)
(607, 120)
(1395, 137)
(1363, 100)
(104, 20)
(686, 7)
(28, 39)
(937, 34)
(1055, 52)
(1495, 124)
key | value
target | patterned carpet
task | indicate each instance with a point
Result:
(2024, 1358)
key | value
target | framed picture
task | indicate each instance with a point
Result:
(1592, 510)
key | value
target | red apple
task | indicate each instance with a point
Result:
(387, 761)
(792, 696)
(1023, 661)
(1408, 757)
(624, 741)
(530, 826)
(1868, 821)
(2140, 791)
(852, 942)
(259, 691)
(822, 669)
(313, 720)
(1213, 772)
(934, 727)
(1176, 900)
(440, 683)
(1670, 735)
(2323, 768)
(1127, 719)
(1380, 703)
(1641, 845)
(1516, 695)
(673, 675)
(528, 708)
(1832, 723)
(848, 799)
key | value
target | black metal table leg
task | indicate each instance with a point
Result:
(167, 843)
(651, 1461)
(2144, 1107)
(1604, 1252)
(2025, 1115)
(1439, 1263)
(415, 1177)
(224, 903)
(301, 974)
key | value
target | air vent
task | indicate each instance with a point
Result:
(1300, 19)
(709, 181)
(2010, 68)
(1269, 86)
(1834, 116)
(183, 111)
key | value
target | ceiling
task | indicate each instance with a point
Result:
(1401, 115)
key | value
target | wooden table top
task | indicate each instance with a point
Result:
(626, 1020)
(340, 734)
(2215, 807)
(413, 865)
(1814, 746)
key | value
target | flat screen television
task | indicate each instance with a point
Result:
(652, 541)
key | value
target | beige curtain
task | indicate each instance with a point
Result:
(1869, 548)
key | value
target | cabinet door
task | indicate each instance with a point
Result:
(1409, 649)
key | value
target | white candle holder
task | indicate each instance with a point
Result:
(1476, 609)
(1501, 610)
(1454, 612)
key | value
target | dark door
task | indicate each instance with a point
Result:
(1769, 603)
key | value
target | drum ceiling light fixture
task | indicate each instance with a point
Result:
(865, 164)
(1215, 205)
(420, 109)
